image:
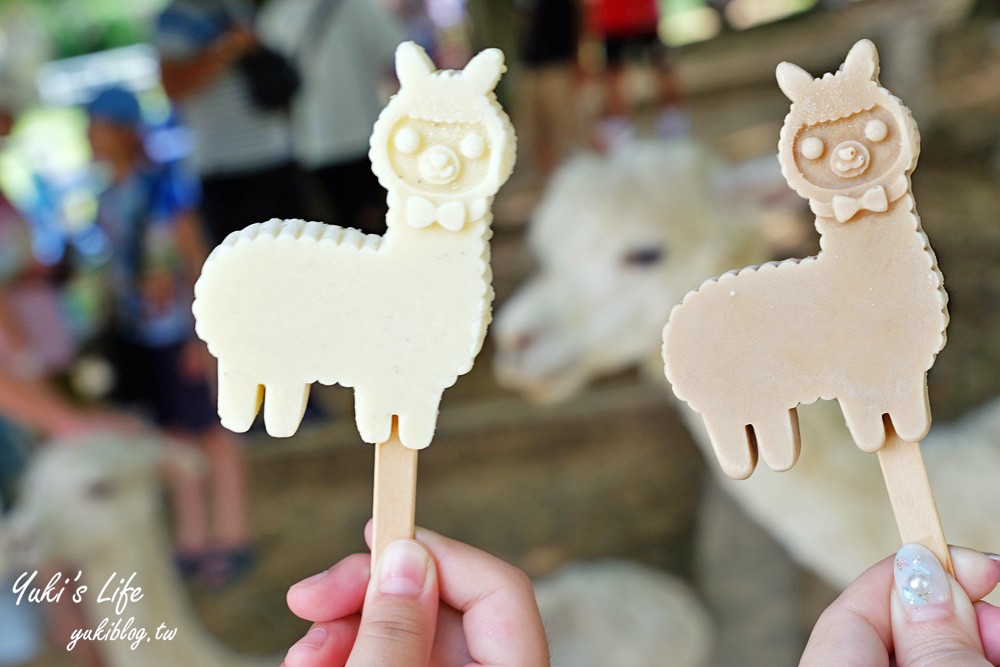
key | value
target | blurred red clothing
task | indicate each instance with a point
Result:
(623, 18)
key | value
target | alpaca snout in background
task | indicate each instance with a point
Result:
(619, 239)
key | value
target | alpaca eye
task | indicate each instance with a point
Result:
(812, 148)
(876, 130)
(644, 256)
(102, 489)
(407, 140)
(472, 146)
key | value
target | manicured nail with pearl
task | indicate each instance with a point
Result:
(921, 582)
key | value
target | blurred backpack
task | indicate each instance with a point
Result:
(272, 77)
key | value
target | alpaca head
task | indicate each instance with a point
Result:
(845, 133)
(443, 136)
(619, 240)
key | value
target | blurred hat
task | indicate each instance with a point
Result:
(116, 105)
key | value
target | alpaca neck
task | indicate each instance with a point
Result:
(873, 235)
(164, 601)
(434, 242)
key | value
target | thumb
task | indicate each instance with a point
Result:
(400, 611)
(933, 621)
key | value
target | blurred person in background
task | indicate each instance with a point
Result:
(33, 344)
(547, 115)
(629, 31)
(243, 152)
(28, 402)
(34, 339)
(344, 50)
(25, 399)
(417, 24)
(148, 213)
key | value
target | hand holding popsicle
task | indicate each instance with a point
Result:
(862, 322)
(284, 304)
(955, 626)
(434, 596)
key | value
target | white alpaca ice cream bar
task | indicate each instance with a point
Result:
(286, 303)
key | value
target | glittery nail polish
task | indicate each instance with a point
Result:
(920, 580)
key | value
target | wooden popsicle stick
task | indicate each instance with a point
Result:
(395, 498)
(911, 496)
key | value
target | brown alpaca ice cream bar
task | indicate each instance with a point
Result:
(861, 322)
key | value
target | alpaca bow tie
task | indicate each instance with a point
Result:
(876, 199)
(845, 208)
(421, 213)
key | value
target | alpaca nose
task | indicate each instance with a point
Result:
(524, 340)
(850, 159)
(439, 165)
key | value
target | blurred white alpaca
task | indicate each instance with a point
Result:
(622, 613)
(619, 242)
(287, 303)
(96, 504)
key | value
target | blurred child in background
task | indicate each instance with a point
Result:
(22, 640)
(629, 31)
(34, 339)
(547, 114)
(34, 344)
(148, 213)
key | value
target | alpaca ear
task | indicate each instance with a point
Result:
(792, 80)
(485, 69)
(861, 61)
(412, 63)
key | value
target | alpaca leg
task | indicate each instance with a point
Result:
(417, 420)
(910, 412)
(777, 437)
(373, 417)
(736, 453)
(284, 405)
(239, 399)
(864, 423)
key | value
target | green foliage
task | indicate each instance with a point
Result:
(77, 27)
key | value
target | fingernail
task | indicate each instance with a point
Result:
(996, 561)
(315, 579)
(305, 646)
(921, 581)
(403, 569)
